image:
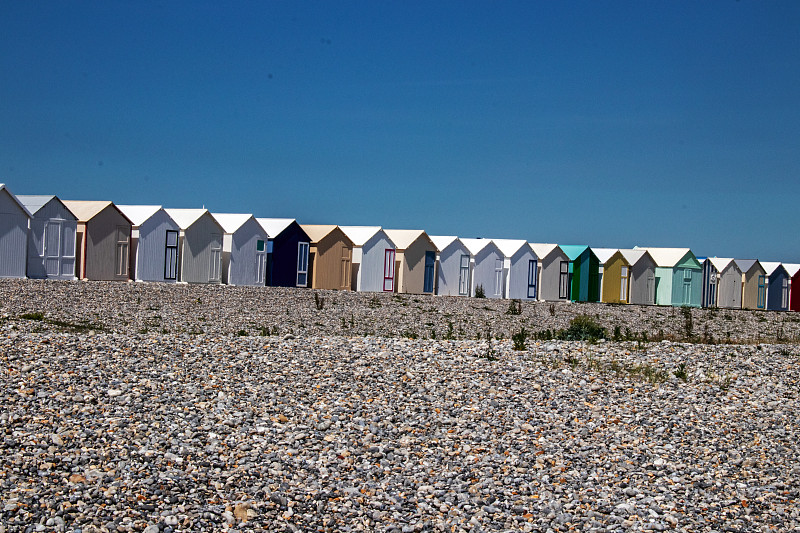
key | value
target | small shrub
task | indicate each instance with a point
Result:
(681, 373)
(479, 292)
(450, 335)
(617, 333)
(514, 307)
(583, 328)
(688, 326)
(519, 339)
(319, 302)
(241, 333)
(33, 316)
(552, 309)
(410, 334)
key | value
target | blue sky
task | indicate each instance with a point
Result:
(662, 123)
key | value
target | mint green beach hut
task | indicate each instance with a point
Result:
(679, 276)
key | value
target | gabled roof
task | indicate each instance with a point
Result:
(403, 238)
(771, 266)
(16, 200)
(34, 202)
(443, 241)
(85, 210)
(317, 232)
(573, 251)
(186, 217)
(792, 268)
(509, 247)
(634, 256)
(666, 257)
(604, 254)
(274, 226)
(746, 264)
(542, 249)
(721, 263)
(231, 222)
(476, 245)
(360, 234)
(138, 214)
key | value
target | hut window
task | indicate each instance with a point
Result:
(259, 246)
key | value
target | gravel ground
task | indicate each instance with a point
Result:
(113, 420)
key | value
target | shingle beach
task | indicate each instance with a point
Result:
(146, 407)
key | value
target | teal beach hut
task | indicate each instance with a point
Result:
(584, 270)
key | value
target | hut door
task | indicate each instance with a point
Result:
(623, 284)
(430, 261)
(532, 272)
(498, 277)
(463, 276)
(261, 261)
(52, 249)
(67, 259)
(345, 286)
(123, 257)
(762, 292)
(687, 286)
(651, 289)
(171, 255)
(563, 280)
(302, 264)
(785, 294)
(215, 268)
(388, 270)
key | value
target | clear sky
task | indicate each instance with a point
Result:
(661, 123)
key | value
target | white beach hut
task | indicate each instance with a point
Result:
(51, 238)
(487, 269)
(244, 249)
(373, 258)
(554, 277)
(154, 243)
(14, 218)
(199, 246)
(521, 268)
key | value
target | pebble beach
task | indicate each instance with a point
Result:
(161, 408)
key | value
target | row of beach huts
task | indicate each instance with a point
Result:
(44, 237)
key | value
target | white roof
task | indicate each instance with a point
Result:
(403, 238)
(476, 245)
(632, 256)
(509, 247)
(791, 268)
(542, 250)
(185, 217)
(360, 234)
(137, 214)
(721, 263)
(231, 222)
(604, 254)
(274, 226)
(34, 202)
(771, 266)
(443, 241)
(665, 257)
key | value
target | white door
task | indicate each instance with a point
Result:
(215, 267)
(52, 249)
(261, 262)
(302, 264)
(123, 257)
(463, 276)
(498, 278)
(388, 270)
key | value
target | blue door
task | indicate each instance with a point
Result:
(532, 278)
(430, 261)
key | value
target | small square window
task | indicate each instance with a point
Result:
(260, 246)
